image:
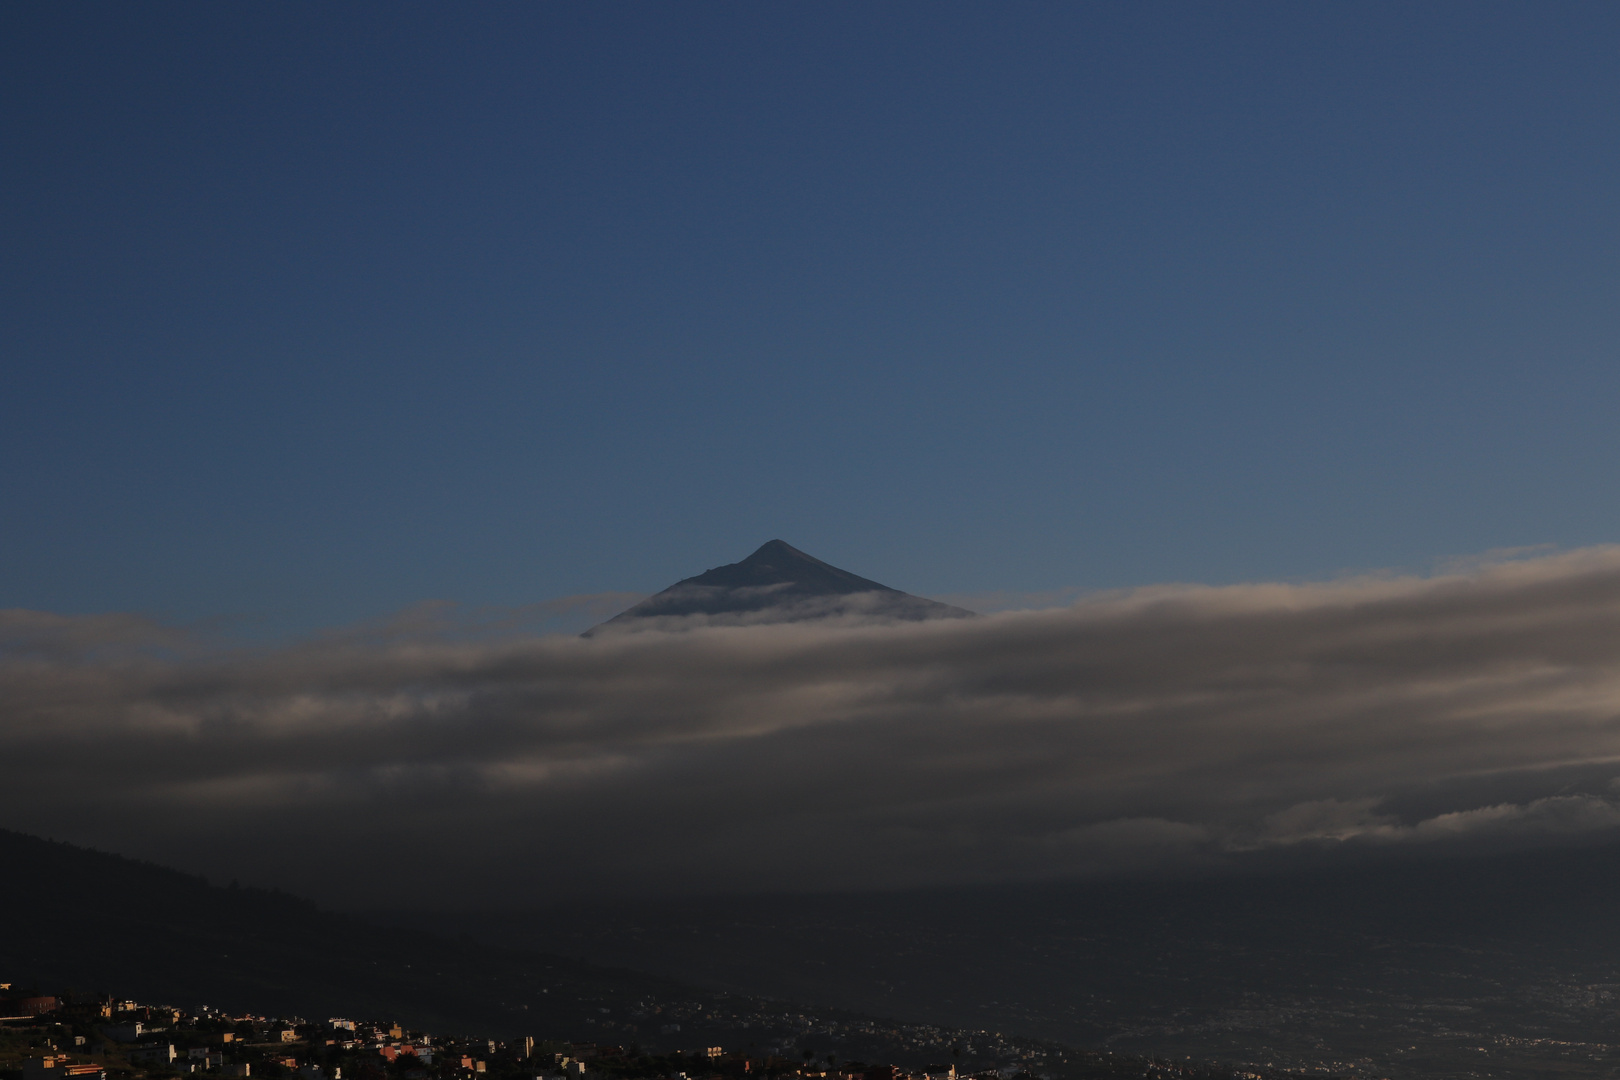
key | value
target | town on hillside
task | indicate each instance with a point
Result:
(67, 1036)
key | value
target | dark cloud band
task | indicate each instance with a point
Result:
(1158, 726)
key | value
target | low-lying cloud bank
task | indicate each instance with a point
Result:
(1171, 726)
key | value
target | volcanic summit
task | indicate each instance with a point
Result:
(778, 583)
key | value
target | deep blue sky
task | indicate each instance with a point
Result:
(314, 311)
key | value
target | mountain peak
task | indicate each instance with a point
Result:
(779, 549)
(777, 583)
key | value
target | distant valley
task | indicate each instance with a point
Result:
(1508, 965)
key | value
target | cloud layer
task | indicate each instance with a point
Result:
(1170, 726)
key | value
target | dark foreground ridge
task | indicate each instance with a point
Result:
(777, 583)
(92, 939)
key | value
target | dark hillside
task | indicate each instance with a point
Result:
(89, 922)
(92, 921)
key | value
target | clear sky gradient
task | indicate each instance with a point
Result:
(311, 312)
